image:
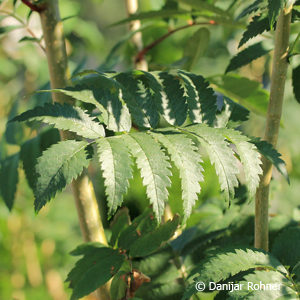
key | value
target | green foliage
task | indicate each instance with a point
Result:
(97, 266)
(57, 167)
(274, 7)
(267, 150)
(253, 7)
(9, 179)
(295, 79)
(64, 117)
(116, 167)
(258, 25)
(246, 56)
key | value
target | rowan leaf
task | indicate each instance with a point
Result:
(187, 159)
(154, 167)
(116, 168)
(64, 117)
(258, 25)
(296, 80)
(220, 155)
(247, 56)
(57, 167)
(249, 158)
(250, 9)
(9, 178)
(274, 8)
(97, 266)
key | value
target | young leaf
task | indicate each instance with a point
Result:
(57, 167)
(267, 150)
(9, 179)
(257, 26)
(274, 8)
(202, 104)
(116, 166)
(249, 158)
(151, 241)
(97, 266)
(64, 117)
(138, 100)
(154, 166)
(220, 155)
(296, 85)
(195, 47)
(246, 56)
(187, 159)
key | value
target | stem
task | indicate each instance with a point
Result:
(145, 50)
(132, 7)
(87, 207)
(278, 78)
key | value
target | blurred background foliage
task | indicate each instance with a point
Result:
(34, 249)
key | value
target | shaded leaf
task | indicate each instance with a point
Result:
(97, 266)
(246, 56)
(296, 80)
(120, 222)
(6, 29)
(267, 150)
(257, 26)
(9, 179)
(116, 168)
(250, 9)
(274, 8)
(57, 167)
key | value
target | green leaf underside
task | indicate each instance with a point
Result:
(151, 241)
(267, 150)
(296, 85)
(116, 164)
(9, 178)
(277, 286)
(257, 26)
(98, 265)
(154, 167)
(249, 158)
(226, 265)
(274, 8)
(246, 56)
(64, 117)
(57, 167)
(220, 155)
(187, 160)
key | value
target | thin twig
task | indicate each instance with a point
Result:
(145, 50)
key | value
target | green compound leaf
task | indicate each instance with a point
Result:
(257, 26)
(116, 166)
(267, 150)
(296, 80)
(98, 265)
(64, 117)
(151, 241)
(228, 264)
(201, 99)
(220, 155)
(250, 9)
(249, 158)
(138, 99)
(57, 167)
(246, 56)
(9, 178)
(187, 159)
(154, 167)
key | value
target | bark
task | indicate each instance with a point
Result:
(278, 78)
